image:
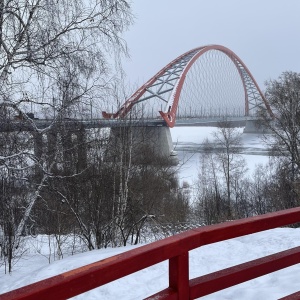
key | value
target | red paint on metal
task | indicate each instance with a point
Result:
(175, 249)
(123, 111)
(294, 296)
(170, 116)
(232, 56)
(168, 294)
(225, 278)
(179, 275)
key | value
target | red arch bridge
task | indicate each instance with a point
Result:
(206, 84)
(201, 87)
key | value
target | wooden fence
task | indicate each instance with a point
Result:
(176, 250)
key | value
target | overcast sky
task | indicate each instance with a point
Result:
(265, 34)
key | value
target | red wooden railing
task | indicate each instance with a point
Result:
(175, 249)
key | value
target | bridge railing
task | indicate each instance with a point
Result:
(176, 250)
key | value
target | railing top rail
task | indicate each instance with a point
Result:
(80, 280)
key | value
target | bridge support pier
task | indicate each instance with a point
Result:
(38, 152)
(51, 146)
(253, 126)
(82, 150)
(65, 150)
(145, 144)
(74, 150)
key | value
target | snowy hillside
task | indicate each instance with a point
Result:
(34, 266)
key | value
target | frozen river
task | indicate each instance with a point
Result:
(188, 143)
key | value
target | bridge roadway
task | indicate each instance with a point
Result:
(76, 124)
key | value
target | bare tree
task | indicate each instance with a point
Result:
(220, 185)
(54, 62)
(231, 163)
(209, 205)
(283, 95)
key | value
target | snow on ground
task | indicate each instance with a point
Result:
(34, 264)
(33, 267)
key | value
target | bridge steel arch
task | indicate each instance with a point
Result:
(172, 77)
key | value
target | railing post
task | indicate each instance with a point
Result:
(179, 275)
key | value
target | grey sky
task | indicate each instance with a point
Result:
(265, 34)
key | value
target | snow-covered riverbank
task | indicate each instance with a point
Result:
(188, 143)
